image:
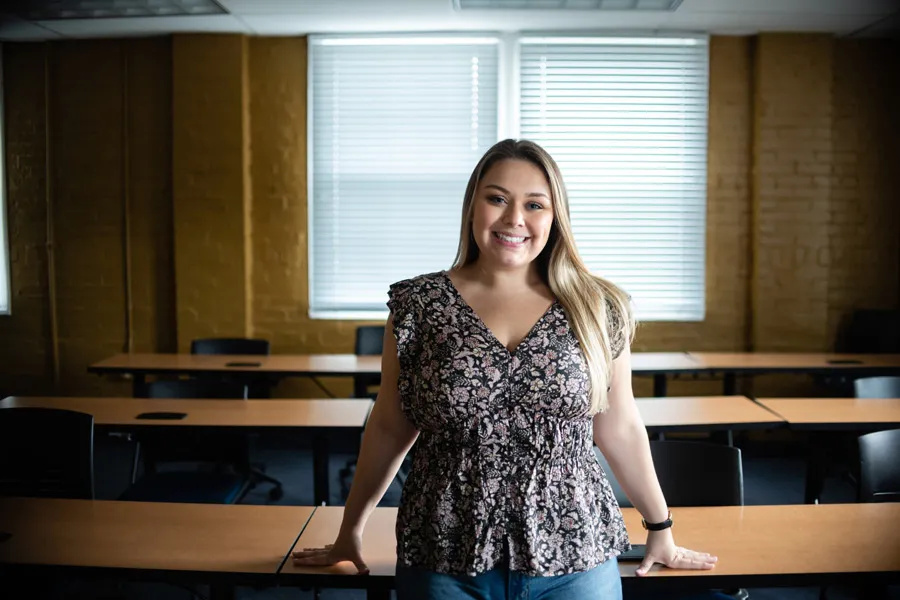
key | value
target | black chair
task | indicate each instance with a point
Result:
(257, 387)
(246, 346)
(692, 473)
(879, 469)
(46, 453)
(227, 456)
(877, 387)
(870, 331)
(369, 342)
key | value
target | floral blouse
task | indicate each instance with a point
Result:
(503, 472)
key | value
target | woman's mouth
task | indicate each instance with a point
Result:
(510, 241)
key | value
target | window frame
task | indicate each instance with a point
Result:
(508, 125)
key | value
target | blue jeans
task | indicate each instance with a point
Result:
(600, 583)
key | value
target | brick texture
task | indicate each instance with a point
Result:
(150, 224)
(197, 144)
(864, 226)
(793, 148)
(86, 113)
(26, 340)
(280, 267)
(209, 177)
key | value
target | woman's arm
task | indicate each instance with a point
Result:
(620, 434)
(386, 440)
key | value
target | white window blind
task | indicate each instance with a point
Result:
(397, 124)
(626, 120)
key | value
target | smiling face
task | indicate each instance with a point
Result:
(512, 214)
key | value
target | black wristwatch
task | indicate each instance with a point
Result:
(658, 526)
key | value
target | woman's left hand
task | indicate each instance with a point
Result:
(661, 549)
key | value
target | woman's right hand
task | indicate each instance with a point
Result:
(344, 548)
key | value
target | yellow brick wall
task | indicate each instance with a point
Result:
(96, 134)
(196, 146)
(25, 336)
(209, 177)
(864, 226)
(149, 176)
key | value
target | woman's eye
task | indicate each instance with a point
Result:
(535, 206)
(496, 199)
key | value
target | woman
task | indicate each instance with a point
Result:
(507, 369)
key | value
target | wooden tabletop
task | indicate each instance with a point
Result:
(705, 412)
(782, 540)
(212, 538)
(283, 364)
(210, 413)
(776, 361)
(320, 364)
(831, 413)
(379, 542)
(662, 362)
(749, 541)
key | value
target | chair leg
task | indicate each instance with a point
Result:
(136, 461)
(277, 492)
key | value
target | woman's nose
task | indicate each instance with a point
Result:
(513, 215)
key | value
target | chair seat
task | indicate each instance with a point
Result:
(190, 487)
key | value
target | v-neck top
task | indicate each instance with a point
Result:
(504, 472)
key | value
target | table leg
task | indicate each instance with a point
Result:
(139, 385)
(729, 385)
(659, 385)
(320, 468)
(815, 470)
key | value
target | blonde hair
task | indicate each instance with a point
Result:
(586, 298)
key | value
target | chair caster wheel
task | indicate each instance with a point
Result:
(276, 494)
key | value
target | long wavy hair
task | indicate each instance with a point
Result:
(586, 298)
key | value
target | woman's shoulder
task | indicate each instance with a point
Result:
(419, 283)
(413, 291)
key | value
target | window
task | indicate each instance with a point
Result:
(625, 119)
(397, 126)
(398, 123)
(4, 252)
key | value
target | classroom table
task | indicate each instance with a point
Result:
(220, 545)
(818, 416)
(831, 414)
(732, 364)
(277, 366)
(321, 418)
(269, 368)
(757, 546)
(705, 413)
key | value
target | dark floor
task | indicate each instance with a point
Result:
(773, 474)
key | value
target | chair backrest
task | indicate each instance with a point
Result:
(195, 446)
(870, 331)
(197, 388)
(369, 342)
(692, 474)
(230, 346)
(877, 387)
(46, 453)
(879, 469)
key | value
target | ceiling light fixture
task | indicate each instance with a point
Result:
(54, 10)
